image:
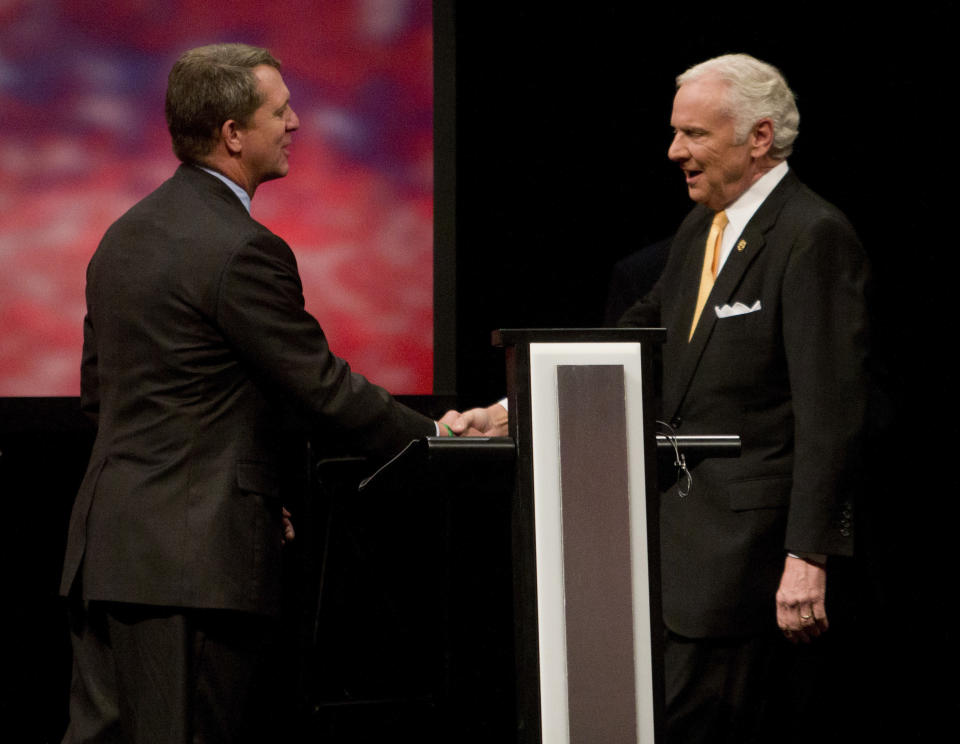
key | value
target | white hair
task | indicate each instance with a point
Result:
(755, 90)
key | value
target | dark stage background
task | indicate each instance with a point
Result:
(551, 149)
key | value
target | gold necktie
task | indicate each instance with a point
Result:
(711, 254)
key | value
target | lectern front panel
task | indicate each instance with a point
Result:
(590, 517)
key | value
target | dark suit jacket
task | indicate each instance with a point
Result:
(195, 338)
(789, 379)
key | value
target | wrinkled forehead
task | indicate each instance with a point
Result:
(705, 98)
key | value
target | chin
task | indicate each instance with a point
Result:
(279, 173)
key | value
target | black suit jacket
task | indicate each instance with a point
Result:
(789, 378)
(195, 338)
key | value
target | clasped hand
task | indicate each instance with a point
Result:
(478, 422)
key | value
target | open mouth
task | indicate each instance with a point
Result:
(692, 175)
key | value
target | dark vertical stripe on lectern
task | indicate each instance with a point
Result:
(596, 554)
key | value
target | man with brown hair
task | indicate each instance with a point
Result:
(195, 338)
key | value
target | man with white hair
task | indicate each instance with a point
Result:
(763, 300)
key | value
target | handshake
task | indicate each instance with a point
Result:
(477, 422)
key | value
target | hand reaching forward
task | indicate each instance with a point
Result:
(478, 422)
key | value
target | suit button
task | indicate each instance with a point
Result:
(675, 422)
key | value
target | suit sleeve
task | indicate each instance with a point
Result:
(825, 327)
(260, 309)
(645, 313)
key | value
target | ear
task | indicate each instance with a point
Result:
(761, 138)
(230, 134)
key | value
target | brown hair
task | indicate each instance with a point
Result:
(208, 86)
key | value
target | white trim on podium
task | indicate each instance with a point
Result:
(548, 518)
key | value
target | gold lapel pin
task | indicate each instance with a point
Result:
(741, 245)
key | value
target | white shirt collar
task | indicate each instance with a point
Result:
(242, 195)
(742, 210)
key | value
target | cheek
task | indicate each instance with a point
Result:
(704, 158)
(732, 170)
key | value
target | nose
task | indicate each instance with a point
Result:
(293, 121)
(677, 152)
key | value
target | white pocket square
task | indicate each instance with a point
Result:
(738, 308)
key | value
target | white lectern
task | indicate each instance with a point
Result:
(585, 539)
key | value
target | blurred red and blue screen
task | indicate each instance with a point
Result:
(83, 138)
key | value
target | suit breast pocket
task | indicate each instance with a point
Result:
(743, 325)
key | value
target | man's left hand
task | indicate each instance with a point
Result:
(801, 600)
(288, 533)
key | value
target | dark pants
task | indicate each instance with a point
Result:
(758, 689)
(157, 675)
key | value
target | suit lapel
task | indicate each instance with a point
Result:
(748, 246)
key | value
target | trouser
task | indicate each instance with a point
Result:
(757, 689)
(159, 675)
